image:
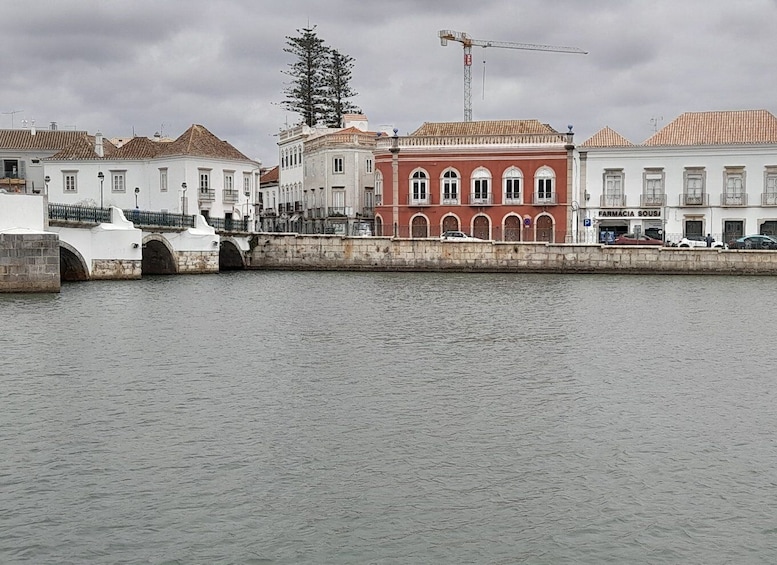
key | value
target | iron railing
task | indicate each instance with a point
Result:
(158, 219)
(84, 214)
(229, 224)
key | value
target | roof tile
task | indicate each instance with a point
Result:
(718, 128)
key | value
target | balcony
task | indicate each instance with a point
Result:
(268, 212)
(648, 200)
(206, 195)
(694, 199)
(425, 201)
(544, 200)
(229, 196)
(368, 212)
(733, 200)
(476, 199)
(612, 201)
(336, 211)
(769, 199)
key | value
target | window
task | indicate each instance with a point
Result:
(544, 180)
(481, 181)
(369, 198)
(70, 181)
(419, 186)
(770, 186)
(246, 183)
(512, 185)
(378, 188)
(338, 200)
(653, 187)
(118, 183)
(450, 187)
(693, 181)
(369, 165)
(204, 180)
(735, 187)
(229, 181)
(338, 165)
(613, 188)
(162, 180)
(11, 169)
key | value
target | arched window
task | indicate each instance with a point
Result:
(419, 186)
(449, 183)
(378, 188)
(544, 186)
(481, 186)
(511, 184)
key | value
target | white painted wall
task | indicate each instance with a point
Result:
(22, 212)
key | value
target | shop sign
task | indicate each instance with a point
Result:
(651, 213)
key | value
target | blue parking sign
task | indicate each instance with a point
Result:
(587, 222)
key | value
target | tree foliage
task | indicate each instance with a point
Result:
(320, 89)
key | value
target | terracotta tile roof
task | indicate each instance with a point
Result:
(82, 148)
(138, 148)
(495, 127)
(718, 128)
(43, 139)
(269, 175)
(607, 137)
(197, 141)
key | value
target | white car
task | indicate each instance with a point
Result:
(457, 236)
(697, 241)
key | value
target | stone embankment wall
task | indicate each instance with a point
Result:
(29, 262)
(317, 252)
(197, 262)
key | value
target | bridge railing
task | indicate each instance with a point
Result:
(229, 224)
(86, 214)
(158, 219)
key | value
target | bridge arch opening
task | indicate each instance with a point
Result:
(230, 256)
(158, 258)
(72, 266)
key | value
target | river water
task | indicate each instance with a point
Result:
(293, 417)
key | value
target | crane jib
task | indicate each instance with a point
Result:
(468, 59)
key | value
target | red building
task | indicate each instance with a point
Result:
(507, 180)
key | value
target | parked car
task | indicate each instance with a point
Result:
(696, 241)
(631, 239)
(753, 242)
(458, 236)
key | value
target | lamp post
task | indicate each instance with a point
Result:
(183, 198)
(47, 180)
(394, 149)
(137, 191)
(248, 214)
(101, 176)
(576, 214)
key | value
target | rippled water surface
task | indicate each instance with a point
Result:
(282, 418)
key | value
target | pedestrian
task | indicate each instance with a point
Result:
(709, 239)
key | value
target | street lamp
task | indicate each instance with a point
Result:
(183, 198)
(394, 149)
(47, 180)
(101, 176)
(137, 191)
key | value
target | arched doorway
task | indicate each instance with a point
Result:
(481, 227)
(230, 256)
(450, 223)
(158, 258)
(72, 266)
(545, 229)
(420, 227)
(379, 226)
(513, 226)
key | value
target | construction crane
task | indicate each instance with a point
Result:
(448, 35)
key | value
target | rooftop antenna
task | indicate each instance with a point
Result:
(655, 121)
(12, 112)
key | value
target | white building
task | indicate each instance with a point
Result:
(195, 173)
(326, 178)
(703, 173)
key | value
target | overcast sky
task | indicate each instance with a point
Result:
(144, 66)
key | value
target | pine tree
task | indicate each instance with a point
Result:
(338, 89)
(307, 92)
(320, 85)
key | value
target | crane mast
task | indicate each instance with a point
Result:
(468, 42)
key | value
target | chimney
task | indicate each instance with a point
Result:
(53, 126)
(98, 144)
(32, 128)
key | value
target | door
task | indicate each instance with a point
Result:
(545, 229)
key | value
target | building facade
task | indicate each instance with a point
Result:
(508, 180)
(196, 173)
(704, 173)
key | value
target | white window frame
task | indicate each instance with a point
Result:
(512, 176)
(378, 188)
(770, 186)
(653, 193)
(70, 181)
(694, 186)
(734, 183)
(612, 190)
(480, 186)
(545, 186)
(119, 181)
(338, 165)
(369, 165)
(450, 187)
(204, 180)
(419, 186)
(163, 180)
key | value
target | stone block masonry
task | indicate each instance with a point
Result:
(29, 262)
(321, 252)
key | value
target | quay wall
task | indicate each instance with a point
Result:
(326, 252)
(29, 262)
